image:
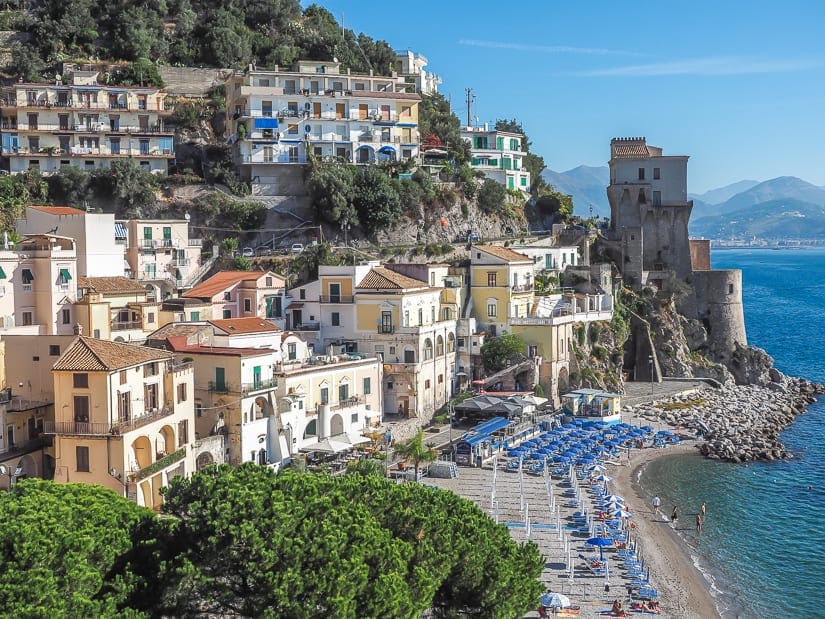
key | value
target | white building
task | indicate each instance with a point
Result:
(499, 154)
(98, 255)
(411, 66)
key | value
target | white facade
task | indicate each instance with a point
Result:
(94, 233)
(412, 67)
(550, 257)
(286, 117)
(499, 155)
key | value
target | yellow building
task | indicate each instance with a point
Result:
(124, 418)
(115, 308)
(501, 286)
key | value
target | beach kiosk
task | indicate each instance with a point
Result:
(477, 443)
(593, 405)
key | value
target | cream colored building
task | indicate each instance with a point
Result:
(115, 308)
(124, 418)
(501, 286)
(84, 124)
(160, 254)
(242, 294)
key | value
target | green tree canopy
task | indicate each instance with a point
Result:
(60, 542)
(497, 351)
(375, 199)
(491, 196)
(330, 186)
(436, 118)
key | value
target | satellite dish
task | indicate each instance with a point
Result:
(187, 217)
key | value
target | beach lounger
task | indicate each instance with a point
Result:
(593, 565)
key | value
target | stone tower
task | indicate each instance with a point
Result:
(649, 212)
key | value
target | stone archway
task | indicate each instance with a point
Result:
(203, 460)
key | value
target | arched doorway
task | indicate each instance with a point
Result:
(203, 460)
(336, 425)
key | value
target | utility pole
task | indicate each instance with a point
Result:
(470, 98)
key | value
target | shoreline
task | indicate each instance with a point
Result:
(685, 591)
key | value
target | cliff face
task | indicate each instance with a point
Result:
(597, 356)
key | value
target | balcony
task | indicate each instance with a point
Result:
(335, 298)
(386, 329)
(160, 464)
(522, 288)
(259, 385)
(195, 242)
(125, 325)
(218, 387)
(348, 403)
(181, 262)
(94, 428)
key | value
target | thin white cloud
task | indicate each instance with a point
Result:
(725, 65)
(545, 49)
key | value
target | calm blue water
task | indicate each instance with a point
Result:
(763, 545)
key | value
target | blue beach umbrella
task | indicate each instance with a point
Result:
(554, 600)
(601, 542)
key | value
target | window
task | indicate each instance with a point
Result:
(354, 418)
(450, 343)
(641, 174)
(367, 386)
(123, 377)
(150, 317)
(227, 313)
(81, 408)
(183, 432)
(151, 397)
(291, 352)
(532, 350)
(447, 313)
(343, 392)
(657, 198)
(268, 281)
(199, 409)
(66, 315)
(81, 459)
(656, 174)
(439, 346)
(428, 349)
(420, 316)
(150, 369)
(227, 296)
(730, 288)
(324, 395)
(460, 342)
(336, 319)
(181, 393)
(302, 294)
(432, 278)
(247, 305)
(491, 310)
(28, 318)
(491, 279)
(80, 380)
(54, 350)
(432, 313)
(440, 379)
(427, 384)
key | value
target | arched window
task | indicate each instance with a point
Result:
(450, 342)
(439, 346)
(428, 349)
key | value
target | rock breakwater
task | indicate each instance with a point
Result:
(736, 423)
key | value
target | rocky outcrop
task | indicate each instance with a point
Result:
(737, 423)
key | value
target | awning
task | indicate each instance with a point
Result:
(2, 273)
(64, 273)
(266, 123)
(386, 149)
(328, 446)
(120, 231)
(28, 276)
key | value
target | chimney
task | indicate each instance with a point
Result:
(78, 329)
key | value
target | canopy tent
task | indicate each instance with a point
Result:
(328, 446)
(352, 438)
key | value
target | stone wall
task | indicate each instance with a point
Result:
(700, 254)
(191, 81)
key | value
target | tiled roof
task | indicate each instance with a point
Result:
(87, 354)
(220, 281)
(244, 325)
(112, 285)
(384, 279)
(224, 351)
(505, 253)
(59, 210)
(628, 148)
(175, 329)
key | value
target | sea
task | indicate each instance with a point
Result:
(762, 547)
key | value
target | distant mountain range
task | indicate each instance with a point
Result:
(777, 209)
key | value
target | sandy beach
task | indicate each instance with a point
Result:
(683, 590)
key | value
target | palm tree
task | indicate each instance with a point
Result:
(416, 451)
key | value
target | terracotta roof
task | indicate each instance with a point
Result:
(244, 325)
(505, 253)
(224, 351)
(112, 285)
(184, 329)
(59, 210)
(220, 281)
(87, 354)
(384, 279)
(628, 148)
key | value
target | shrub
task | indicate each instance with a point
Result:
(491, 196)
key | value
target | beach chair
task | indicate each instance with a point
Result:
(594, 566)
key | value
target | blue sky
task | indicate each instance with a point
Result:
(738, 86)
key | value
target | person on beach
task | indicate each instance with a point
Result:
(616, 610)
(699, 523)
(656, 504)
(674, 515)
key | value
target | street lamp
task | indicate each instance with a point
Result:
(650, 371)
(345, 226)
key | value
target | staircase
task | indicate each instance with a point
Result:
(195, 277)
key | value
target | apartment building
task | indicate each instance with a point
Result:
(315, 110)
(412, 68)
(83, 123)
(501, 286)
(115, 308)
(160, 253)
(499, 154)
(124, 418)
(98, 255)
(38, 285)
(243, 294)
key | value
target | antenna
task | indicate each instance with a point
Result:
(470, 98)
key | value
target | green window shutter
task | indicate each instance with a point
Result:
(147, 233)
(475, 162)
(500, 143)
(343, 392)
(167, 232)
(64, 273)
(2, 273)
(510, 183)
(524, 181)
(367, 386)
(195, 316)
(493, 162)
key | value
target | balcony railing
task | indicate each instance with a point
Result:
(162, 463)
(195, 242)
(304, 326)
(125, 325)
(386, 329)
(347, 403)
(218, 387)
(257, 385)
(335, 298)
(95, 428)
(522, 288)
